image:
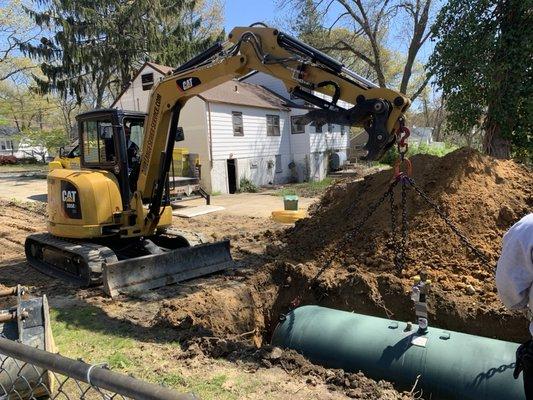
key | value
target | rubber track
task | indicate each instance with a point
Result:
(93, 255)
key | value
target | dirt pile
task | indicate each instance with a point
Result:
(252, 359)
(482, 196)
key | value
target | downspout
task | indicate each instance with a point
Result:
(209, 133)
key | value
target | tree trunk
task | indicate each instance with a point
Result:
(493, 143)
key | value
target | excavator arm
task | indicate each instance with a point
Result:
(302, 69)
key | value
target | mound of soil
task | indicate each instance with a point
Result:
(313, 263)
(482, 196)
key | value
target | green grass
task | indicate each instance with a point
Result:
(24, 168)
(86, 332)
(306, 189)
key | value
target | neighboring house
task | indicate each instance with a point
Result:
(8, 143)
(242, 129)
(11, 145)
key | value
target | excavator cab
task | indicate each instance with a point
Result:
(106, 137)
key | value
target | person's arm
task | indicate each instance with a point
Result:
(514, 274)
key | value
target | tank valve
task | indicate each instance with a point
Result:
(419, 293)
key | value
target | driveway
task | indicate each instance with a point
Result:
(28, 188)
(23, 187)
(249, 204)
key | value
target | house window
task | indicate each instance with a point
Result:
(279, 167)
(147, 81)
(272, 125)
(318, 127)
(343, 130)
(236, 117)
(296, 127)
(9, 144)
(330, 128)
(3, 145)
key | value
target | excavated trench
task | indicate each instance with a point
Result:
(481, 196)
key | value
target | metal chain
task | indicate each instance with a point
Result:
(347, 238)
(450, 224)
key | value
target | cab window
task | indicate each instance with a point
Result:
(98, 142)
(137, 130)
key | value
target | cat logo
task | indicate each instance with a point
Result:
(68, 196)
(188, 83)
(71, 200)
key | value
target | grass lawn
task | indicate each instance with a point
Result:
(24, 168)
(306, 189)
(149, 354)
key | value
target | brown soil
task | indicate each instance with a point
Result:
(482, 196)
(232, 315)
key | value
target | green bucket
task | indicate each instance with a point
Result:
(290, 202)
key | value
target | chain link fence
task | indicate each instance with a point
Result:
(30, 373)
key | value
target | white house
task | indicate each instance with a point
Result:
(12, 145)
(242, 129)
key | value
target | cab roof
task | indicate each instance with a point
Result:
(110, 111)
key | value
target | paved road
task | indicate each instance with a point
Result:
(27, 188)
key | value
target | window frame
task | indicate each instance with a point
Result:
(293, 125)
(237, 114)
(98, 120)
(149, 85)
(272, 125)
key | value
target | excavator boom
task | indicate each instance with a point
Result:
(109, 222)
(301, 68)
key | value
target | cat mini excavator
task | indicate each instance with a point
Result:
(110, 222)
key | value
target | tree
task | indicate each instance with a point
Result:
(199, 27)
(42, 142)
(365, 26)
(97, 45)
(14, 30)
(482, 63)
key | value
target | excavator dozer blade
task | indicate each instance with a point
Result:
(156, 270)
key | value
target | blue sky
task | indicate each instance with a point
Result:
(246, 12)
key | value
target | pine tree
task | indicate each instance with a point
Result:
(308, 25)
(96, 45)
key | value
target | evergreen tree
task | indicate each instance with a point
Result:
(308, 25)
(95, 46)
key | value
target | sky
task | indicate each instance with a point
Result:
(246, 12)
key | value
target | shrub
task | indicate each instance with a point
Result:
(391, 156)
(8, 160)
(247, 186)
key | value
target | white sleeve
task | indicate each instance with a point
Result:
(514, 274)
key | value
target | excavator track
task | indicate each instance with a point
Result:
(70, 260)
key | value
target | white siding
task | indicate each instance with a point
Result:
(193, 120)
(135, 98)
(255, 142)
(255, 152)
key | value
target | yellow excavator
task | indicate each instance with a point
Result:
(110, 222)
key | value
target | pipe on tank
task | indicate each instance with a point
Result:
(451, 365)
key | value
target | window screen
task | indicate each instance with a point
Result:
(236, 117)
(318, 127)
(272, 125)
(147, 81)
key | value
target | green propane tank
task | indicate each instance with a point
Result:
(451, 365)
